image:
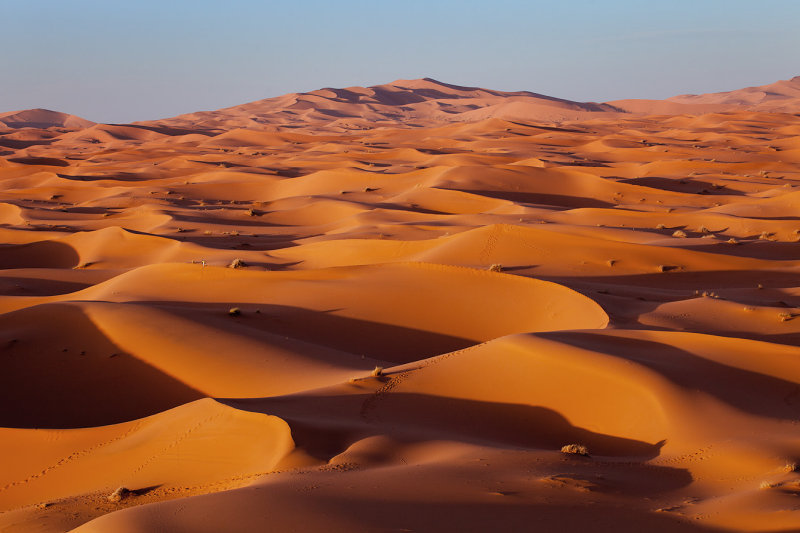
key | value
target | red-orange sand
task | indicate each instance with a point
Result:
(528, 272)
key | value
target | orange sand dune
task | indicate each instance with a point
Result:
(42, 119)
(781, 96)
(389, 308)
(218, 448)
(416, 102)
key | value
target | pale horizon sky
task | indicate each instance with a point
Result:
(115, 61)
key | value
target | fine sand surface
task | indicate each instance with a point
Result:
(193, 309)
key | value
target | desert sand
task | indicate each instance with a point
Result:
(389, 308)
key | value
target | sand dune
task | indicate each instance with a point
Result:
(782, 96)
(415, 102)
(779, 96)
(42, 119)
(389, 308)
(216, 446)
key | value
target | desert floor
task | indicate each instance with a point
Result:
(197, 317)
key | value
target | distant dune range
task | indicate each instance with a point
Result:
(389, 308)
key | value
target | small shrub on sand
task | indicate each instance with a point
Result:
(766, 236)
(118, 495)
(704, 230)
(786, 316)
(767, 485)
(237, 263)
(234, 311)
(679, 233)
(377, 372)
(496, 268)
(660, 226)
(576, 449)
(790, 467)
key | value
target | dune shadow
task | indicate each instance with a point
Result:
(413, 208)
(45, 161)
(438, 498)
(288, 172)
(507, 513)
(60, 371)
(703, 280)
(254, 222)
(168, 130)
(557, 200)
(417, 417)
(40, 254)
(259, 243)
(16, 144)
(232, 241)
(769, 250)
(385, 342)
(122, 176)
(87, 210)
(581, 163)
(220, 164)
(689, 186)
(25, 286)
(517, 425)
(432, 151)
(547, 128)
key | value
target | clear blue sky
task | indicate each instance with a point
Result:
(126, 60)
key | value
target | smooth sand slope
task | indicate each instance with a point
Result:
(389, 308)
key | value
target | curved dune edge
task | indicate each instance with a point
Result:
(176, 340)
(427, 298)
(194, 448)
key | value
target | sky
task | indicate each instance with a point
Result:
(119, 61)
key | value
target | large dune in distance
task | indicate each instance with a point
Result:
(389, 308)
(779, 97)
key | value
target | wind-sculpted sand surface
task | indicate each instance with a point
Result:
(349, 324)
